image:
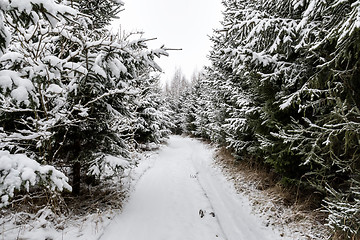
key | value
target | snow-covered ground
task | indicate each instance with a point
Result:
(181, 196)
(175, 193)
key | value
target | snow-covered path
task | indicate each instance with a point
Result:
(170, 197)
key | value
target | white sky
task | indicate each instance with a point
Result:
(185, 24)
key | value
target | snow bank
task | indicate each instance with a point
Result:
(18, 172)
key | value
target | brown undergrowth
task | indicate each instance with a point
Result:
(40, 213)
(57, 209)
(95, 199)
(295, 210)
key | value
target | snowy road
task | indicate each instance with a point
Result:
(170, 197)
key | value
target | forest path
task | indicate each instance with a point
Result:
(181, 196)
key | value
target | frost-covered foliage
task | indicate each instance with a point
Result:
(344, 210)
(152, 116)
(176, 92)
(106, 166)
(19, 22)
(71, 92)
(283, 89)
(101, 12)
(18, 172)
(27, 12)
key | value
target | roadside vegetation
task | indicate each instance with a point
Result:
(78, 105)
(282, 92)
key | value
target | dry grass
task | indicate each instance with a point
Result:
(341, 236)
(291, 208)
(40, 210)
(95, 199)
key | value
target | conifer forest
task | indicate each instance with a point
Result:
(79, 103)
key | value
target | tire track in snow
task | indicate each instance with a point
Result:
(233, 211)
(211, 206)
(166, 201)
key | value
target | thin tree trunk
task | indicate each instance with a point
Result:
(76, 169)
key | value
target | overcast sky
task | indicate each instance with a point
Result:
(182, 24)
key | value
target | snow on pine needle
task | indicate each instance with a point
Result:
(71, 91)
(18, 172)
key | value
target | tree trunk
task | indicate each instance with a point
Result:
(76, 168)
(76, 178)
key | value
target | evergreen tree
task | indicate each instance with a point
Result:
(70, 88)
(282, 88)
(26, 28)
(328, 137)
(153, 118)
(176, 95)
(201, 99)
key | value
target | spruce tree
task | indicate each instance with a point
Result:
(284, 74)
(69, 88)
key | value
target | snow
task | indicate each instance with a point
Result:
(54, 88)
(115, 162)
(86, 228)
(119, 2)
(21, 95)
(24, 86)
(176, 190)
(18, 170)
(287, 103)
(117, 67)
(5, 82)
(169, 191)
(53, 60)
(76, 67)
(352, 24)
(99, 71)
(11, 56)
(49, 5)
(108, 165)
(4, 30)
